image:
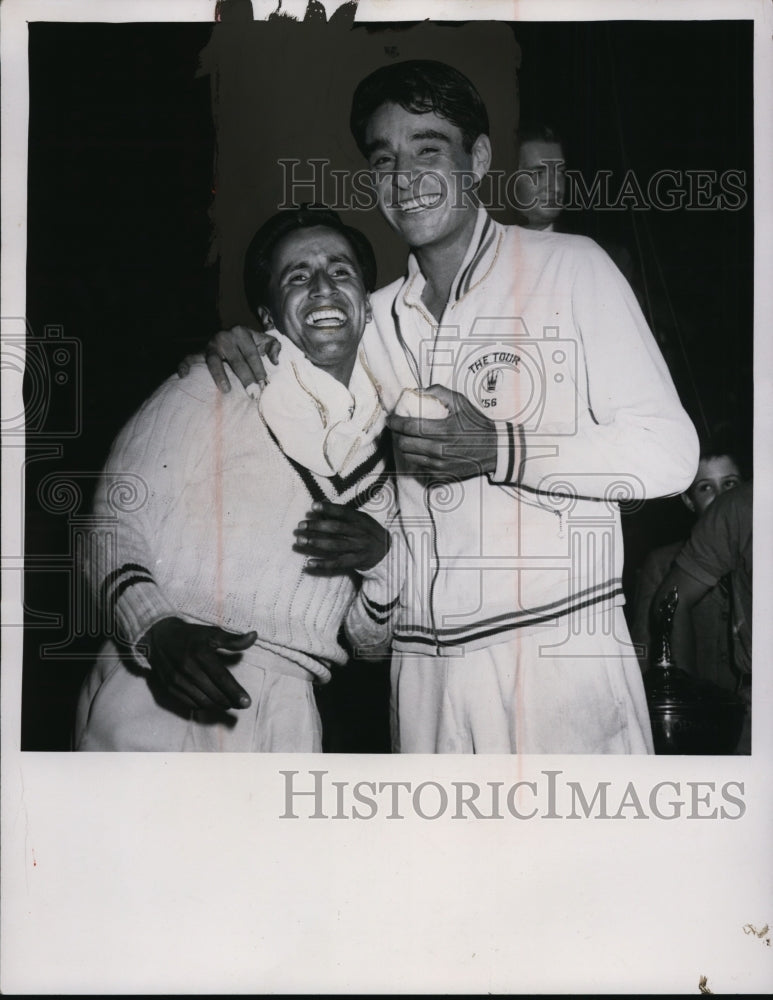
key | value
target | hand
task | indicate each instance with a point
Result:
(186, 661)
(462, 445)
(241, 348)
(338, 539)
(184, 368)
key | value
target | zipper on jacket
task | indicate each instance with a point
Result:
(412, 362)
(427, 494)
(414, 366)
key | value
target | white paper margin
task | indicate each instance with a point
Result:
(145, 873)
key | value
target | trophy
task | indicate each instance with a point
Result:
(688, 715)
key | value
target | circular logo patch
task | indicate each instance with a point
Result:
(502, 382)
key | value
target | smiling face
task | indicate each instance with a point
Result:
(318, 298)
(424, 175)
(715, 475)
(541, 182)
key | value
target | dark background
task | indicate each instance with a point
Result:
(121, 155)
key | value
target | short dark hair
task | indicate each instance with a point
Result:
(420, 86)
(529, 131)
(257, 259)
(722, 439)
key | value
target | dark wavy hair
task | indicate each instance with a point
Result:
(257, 259)
(724, 438)
(420, 86)
(530, 131)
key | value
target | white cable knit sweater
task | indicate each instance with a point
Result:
(329, 426)
(211, 539)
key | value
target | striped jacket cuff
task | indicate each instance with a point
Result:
(381, 585)
(379, 614)
(511, 454)
(133, 601)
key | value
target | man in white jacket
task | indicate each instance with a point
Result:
(541, 401)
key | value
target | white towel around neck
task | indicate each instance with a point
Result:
(321, 423)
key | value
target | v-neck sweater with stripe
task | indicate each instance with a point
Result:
(194, 517)
(544, 325)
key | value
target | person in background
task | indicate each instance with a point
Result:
(229, 583)
(541, 190)
(718, 472)
(540, 185)
(719, 547)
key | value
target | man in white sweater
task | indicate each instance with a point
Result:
(228, 575)
(558, 404)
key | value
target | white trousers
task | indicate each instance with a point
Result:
(118, 710)
(565, 689)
